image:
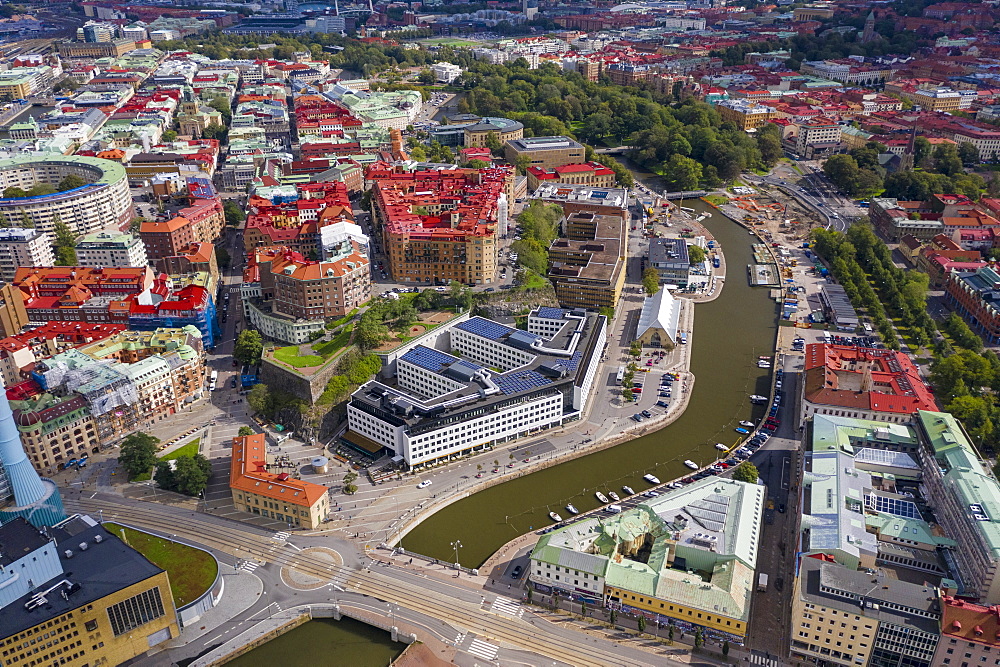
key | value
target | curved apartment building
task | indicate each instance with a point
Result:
(104, 201)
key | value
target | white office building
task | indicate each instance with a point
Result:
(446, 72)
(483, 384)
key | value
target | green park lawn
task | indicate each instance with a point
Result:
(190, 449)
(290, 355)
(191, 571)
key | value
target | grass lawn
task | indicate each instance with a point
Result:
(189, 449)
(718, 200)
(449, 41)
(343, 320)
(533, 281)
(290, 355)
(191, 571)
(330, 347)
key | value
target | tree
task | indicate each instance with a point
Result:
(725, 649)
(670, 633)
(234, 214)
(746, 472)
(583, 608)
(696, 254)
(222, 105)
(191, 474)
(681, 173)
(65, 243)
(612, 617)
(426, 76)
(699, 640)
(169, 135)
(370, 335)
(163, 475)
(70, 182)
(222, 257)
(651, 280)
(627, 394)
(14, 192)
(968, 153)
(245, 431)
(214, 131)
(640, 623)
(259, 398)
(137, 453)
(249, 347)
(522, 162)
(349, 487)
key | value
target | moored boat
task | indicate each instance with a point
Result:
(691, 464)
(555, 517)
(603, 498)
(572, 509)
(652, 479)
(613, 496)
(628, 490)
(721, 447)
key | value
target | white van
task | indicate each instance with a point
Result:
(614, 509)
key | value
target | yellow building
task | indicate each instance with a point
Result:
(257, 489)
(842, 616)
(666, 558)
(89, 599)
(745, 114)
(588, 271)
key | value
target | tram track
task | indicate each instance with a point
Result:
(468, 616)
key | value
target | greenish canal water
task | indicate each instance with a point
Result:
(326, 642)
(729, 334)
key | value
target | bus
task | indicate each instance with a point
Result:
(213, 379)
(621, 375)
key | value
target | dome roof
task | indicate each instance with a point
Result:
(26, 417)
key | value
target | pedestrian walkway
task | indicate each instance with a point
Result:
(763, 659)
(248, 565)
(481, 649)
(281, 537)
(507, 607)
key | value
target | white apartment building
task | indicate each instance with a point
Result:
(110, 248)
(151, 377)
(493, 384)
(23, 247)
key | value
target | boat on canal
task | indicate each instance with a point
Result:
(691, 464)
(757, 398)
(613, 496)
(603, 498)
(748, 424)
(571, 508)
(721, 447)
(652, 479)
(555, 517)
(628, 490)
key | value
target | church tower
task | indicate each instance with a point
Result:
(869, 35)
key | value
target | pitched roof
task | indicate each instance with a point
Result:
(248, 473)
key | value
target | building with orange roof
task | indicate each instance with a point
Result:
(970, 629)
(166, 238)
(287, 297)
(79, 293)
(439, 226)
(196, 257)
(260, 486)
(864, 383)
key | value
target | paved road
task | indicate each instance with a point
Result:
(814, 190)
(455, 611)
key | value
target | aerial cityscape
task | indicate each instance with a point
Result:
(525, 332)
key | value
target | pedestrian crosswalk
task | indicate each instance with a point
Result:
(247, 565)
(459, 638)
(281, 537)
(483, 650)
(507, 607)
(764, 659)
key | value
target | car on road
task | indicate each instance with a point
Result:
(424, 484)
(663, 404)
(516, 572)
(647, 414)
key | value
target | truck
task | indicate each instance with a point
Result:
(761, 582)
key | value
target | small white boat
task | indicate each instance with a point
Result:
(721, 447)
(628, 490)
(691, 464)
(746, 423)
(652, 479)
(555, 517)
(756, 398)
(763, 364)
(764, 358)
(603, 498)
(613, 496)
(572, 509)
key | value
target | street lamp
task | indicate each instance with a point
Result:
(456, 545)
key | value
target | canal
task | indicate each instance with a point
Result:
(326, 642)
(729, 334)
